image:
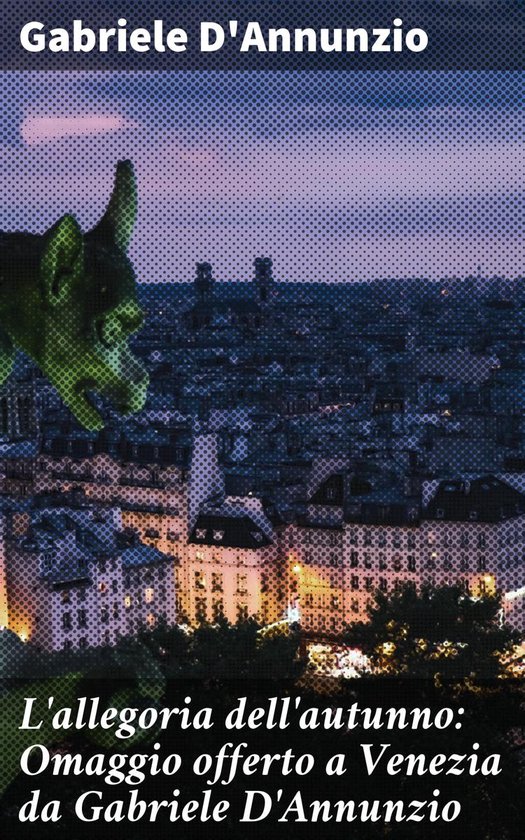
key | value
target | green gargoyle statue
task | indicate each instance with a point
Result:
(69, 301)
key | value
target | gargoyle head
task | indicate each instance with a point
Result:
(90, 309)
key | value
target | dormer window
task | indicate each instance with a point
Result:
(473, 515)
(440, 513)
(201, 533)
(47, 559)
(218, 535)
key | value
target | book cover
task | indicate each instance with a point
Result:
(262, 454)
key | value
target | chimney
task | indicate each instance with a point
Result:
(203, 282)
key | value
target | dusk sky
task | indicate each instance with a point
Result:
(336, 176)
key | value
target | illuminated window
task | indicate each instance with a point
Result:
(242, 612)
(127, 601)
(217, 609)
(200, 609)
(200, 580)
(148, 595)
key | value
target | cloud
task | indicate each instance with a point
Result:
(45, 129)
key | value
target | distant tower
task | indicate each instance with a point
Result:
(203, 283)
(206, 482)
(263, 281)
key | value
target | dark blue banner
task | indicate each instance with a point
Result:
(469, 34)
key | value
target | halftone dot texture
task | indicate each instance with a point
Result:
(341, 417)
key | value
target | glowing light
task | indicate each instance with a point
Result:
(296, 569)
(293, 614)
(516, 593)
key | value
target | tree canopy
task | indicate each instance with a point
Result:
(435, 631)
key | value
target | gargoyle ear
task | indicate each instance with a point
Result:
(118, 221)
(62, 259)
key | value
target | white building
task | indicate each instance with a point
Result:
(74, 579)
(349, 546)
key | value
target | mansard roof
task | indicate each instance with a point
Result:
(484, 499)
(228, 531)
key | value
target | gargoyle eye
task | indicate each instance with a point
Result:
(109, 331)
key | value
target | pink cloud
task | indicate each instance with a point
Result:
(43, 129)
